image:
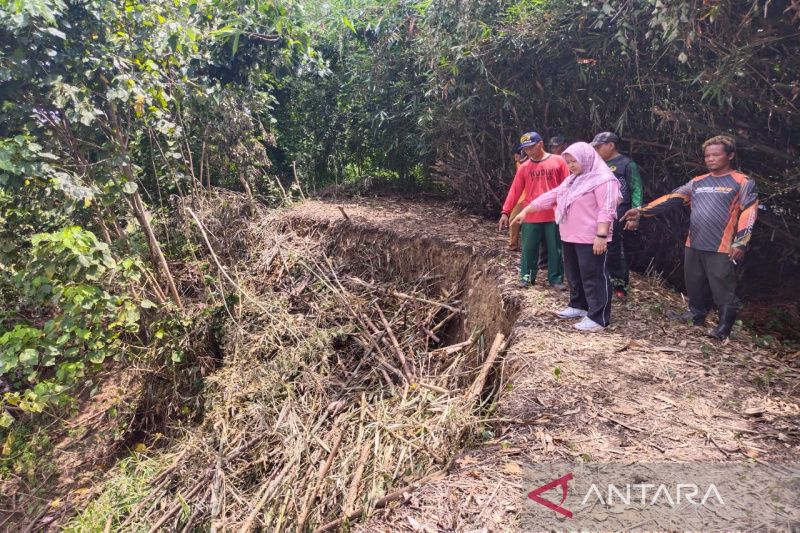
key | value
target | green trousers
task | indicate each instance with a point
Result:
(530, 238)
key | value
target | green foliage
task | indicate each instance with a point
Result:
(34, 195)
(21, 451)
(65, 320)
(452, 84)
(109, 106)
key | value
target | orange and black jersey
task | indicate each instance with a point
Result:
(723, 210)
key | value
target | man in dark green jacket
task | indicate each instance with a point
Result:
(630, 187)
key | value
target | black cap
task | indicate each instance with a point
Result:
(605, 137)
(558, 140)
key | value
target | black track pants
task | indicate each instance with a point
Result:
(589, 282)
(617, 258)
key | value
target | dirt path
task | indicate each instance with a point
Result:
(644, 390)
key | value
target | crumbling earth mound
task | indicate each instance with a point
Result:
(380, 370)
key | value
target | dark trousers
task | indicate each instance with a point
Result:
(710, 277)
(589, 282)
(617, 259)
(531, 237)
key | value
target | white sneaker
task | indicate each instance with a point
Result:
(587, 324)
(571, 312)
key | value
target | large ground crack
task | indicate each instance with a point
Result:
(354, 380)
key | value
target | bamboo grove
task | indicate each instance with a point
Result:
(114, 113)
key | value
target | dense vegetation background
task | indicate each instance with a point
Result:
(112, 111)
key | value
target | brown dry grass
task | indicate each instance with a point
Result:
(277, 440)
(334, 392)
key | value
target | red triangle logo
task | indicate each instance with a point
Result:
(562, 482)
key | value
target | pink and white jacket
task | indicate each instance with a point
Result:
(585, 200)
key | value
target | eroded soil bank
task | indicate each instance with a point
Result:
(646, 390)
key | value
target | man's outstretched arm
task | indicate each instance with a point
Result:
(677, 198)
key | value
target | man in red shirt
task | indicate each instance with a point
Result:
(539, 174)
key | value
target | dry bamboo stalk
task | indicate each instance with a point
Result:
(399, 351)
(363, 320)
(476, 388)
(149, 510)
(430, 334)
(434, 388)
(320, 477)
(160, 481)
(270, 488)
(177, 506)
(352, 494)
(140, 505)
(161, 298)
(195, 514)
(450, 308)
(220, 267)
(382, 502)
(398, 294)
(198, 485)
(171, 468)
(444, 322)
(381, 359)
(386, 378)
(282, 511)
(455, 348)
(109, 520)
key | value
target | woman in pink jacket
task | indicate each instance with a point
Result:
(586, 204)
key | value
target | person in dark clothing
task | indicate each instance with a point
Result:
(557, 144)
(520, 157)
(630, 186)
(724, 205)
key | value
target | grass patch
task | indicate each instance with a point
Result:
(21, 450)
(128, 485)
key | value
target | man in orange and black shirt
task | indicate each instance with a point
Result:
(724, 204)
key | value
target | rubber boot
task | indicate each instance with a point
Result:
(697, 317)
(727, 318)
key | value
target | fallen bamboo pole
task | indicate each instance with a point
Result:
(474, 391)
(398, 294)
(396, 345)
(382, 502)
(306, 510)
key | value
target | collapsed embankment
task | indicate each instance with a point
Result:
(312, 419)
(354, 362)
(398, 257)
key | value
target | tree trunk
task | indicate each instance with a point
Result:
(248, 191)
(119, 134)
(155, 249)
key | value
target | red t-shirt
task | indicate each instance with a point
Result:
(534, 178)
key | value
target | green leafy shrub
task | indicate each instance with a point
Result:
(71, 321)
